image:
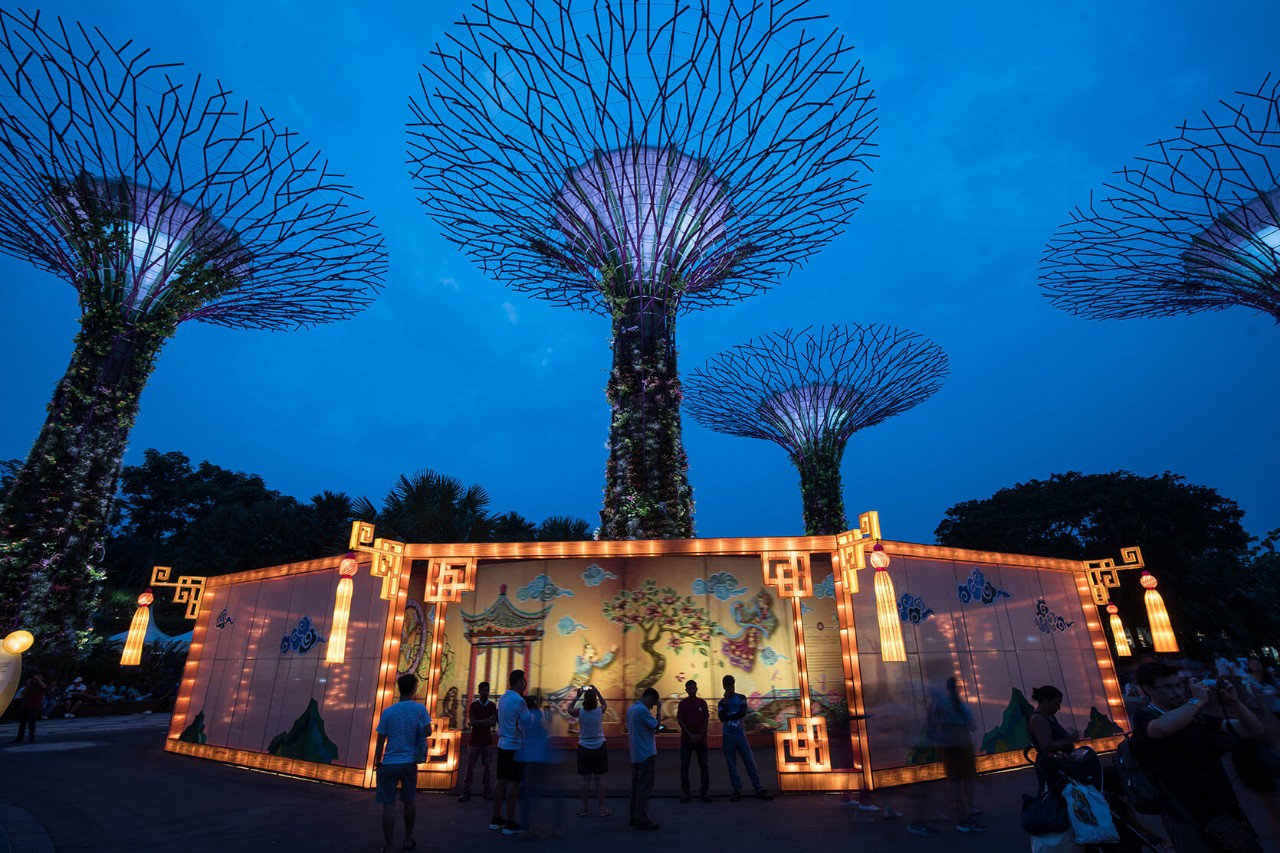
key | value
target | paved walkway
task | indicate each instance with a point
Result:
(105, 784)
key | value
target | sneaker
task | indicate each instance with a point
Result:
(646, 824)
(762, 794)
(512, 828)
(921, 829)
(735, 796)
(684, 798)
(706, 798)
(975, 811)
(466, 795)
(890, 814)
(868, 807)
(496, 823)
(970, 826)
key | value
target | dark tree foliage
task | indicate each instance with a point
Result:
(428, 506)
(208, 520)
(1191, 538)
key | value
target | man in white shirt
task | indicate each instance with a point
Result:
(511, 710)
(403, 730)
(641, 725)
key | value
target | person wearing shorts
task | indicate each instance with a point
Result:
(593, 755)
(403, 730)
(511, 710)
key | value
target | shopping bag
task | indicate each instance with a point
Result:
(1054, 842)
(1090, 818)
(1045, 814)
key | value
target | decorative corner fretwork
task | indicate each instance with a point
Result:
(851, 548)
(1104, 575)
(187, 589)
(449, 578)
(804, 746)
(787, 572)
(387, 554)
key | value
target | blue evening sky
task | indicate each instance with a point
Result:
(995, 120)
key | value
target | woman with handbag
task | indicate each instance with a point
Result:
(1049, 737)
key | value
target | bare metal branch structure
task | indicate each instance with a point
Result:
(1194, 225)
(160, 201)
(637, 160)
(810, 391)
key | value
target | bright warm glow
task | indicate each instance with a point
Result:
(879, 559)
(1161, 630)
(892, 648)
(1117, 632)
(146, 599)
(18, 642)
(337, 648)
(132, 654)
(348, 567)
(1147, 580)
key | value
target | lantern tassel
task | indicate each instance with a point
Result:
(1118, 634)
(1161, 629)
(132, 655)
(337, 647)
(892, 648)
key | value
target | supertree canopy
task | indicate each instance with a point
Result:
(160, 201)
(1194, 225)
(637, 159)
(809, 391)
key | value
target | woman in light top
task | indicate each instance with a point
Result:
(593, 755)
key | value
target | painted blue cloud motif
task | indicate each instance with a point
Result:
(977, 588)
(723, 585)
(594, 575)
(770, 656)
(1048, 621)
(567, 625)
(541, 588)
(911, 609)
(826, 589)
(302, 638)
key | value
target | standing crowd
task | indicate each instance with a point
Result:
(1183, 724)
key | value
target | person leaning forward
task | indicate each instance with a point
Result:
(403, 730)
(1181, 740)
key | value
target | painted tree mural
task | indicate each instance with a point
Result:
(656, 611)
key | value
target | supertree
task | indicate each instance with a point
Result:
(810, 391)
(640, 159)
(1192, 226)
(160, 201)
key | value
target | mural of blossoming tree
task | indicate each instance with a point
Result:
(656, 611)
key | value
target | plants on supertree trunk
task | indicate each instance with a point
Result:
(820, 488)
(653, 612)
(647, 492)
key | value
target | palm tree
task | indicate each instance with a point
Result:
(564, 528)
(430, 507)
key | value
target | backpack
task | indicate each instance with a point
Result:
(1139, 786)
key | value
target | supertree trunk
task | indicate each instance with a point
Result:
(647, 493)
(821, 489)
(55, 515)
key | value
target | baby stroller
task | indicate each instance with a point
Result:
(1084, 767)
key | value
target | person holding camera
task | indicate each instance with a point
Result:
(641, 727)
(593, 755)
(1183, 732)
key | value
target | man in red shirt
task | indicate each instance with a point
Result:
(693, 715)
(484, 716)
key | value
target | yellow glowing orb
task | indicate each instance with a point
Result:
(145, 599)
(1111, 608)
(1147, 580)
(18, 642)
